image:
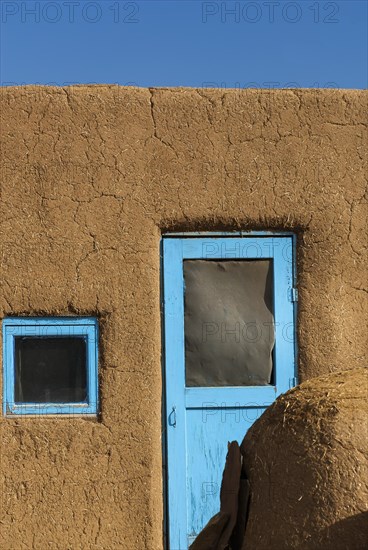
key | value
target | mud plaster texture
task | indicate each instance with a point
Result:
(307, 458)
(91, 177)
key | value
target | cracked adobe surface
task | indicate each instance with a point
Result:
(91, 176)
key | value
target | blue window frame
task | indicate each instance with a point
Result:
(200, 419)
(50, 366)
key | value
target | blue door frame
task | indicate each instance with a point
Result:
(199, 421)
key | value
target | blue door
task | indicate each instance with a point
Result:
(229, 351)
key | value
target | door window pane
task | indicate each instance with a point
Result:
(229, 322)
(50, 370)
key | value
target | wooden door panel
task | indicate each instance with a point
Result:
(201, 420)
(208, 432)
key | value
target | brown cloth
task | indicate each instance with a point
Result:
(219, 531)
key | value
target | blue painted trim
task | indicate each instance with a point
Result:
(278, 246)
(229, 397)
(86, 327)
(284, 317)
(175, 385)
(235, 248)
(228, 234)
(163, 409)
(295, 312)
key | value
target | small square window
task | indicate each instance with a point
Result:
(50, 366)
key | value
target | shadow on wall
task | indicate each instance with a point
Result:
(351, 532)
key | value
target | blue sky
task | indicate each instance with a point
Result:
(260, 43)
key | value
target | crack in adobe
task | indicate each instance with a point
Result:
(155, 134)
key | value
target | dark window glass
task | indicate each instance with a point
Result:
(229, 322)
(50, 370)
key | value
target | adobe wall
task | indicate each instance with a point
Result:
(91, 176)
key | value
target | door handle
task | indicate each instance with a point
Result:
(172, 417)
